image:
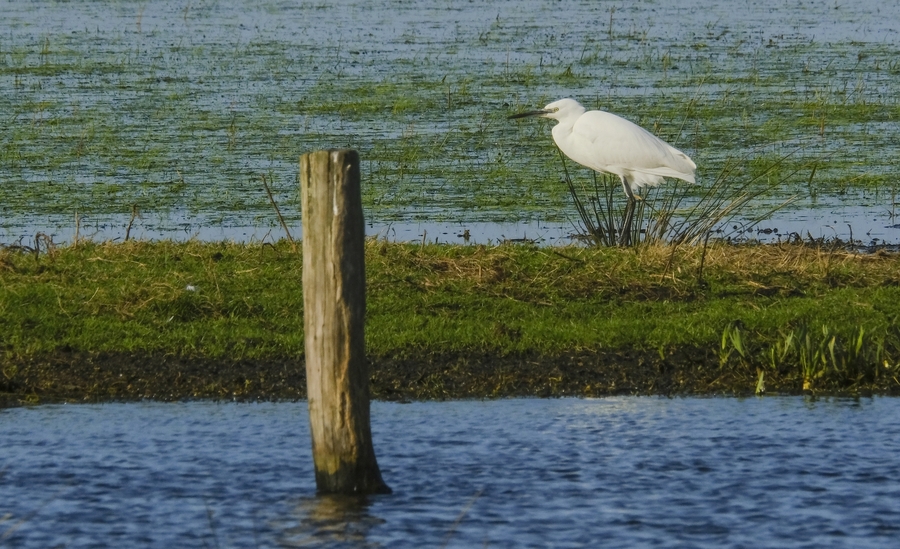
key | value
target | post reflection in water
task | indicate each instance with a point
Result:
(332, 521)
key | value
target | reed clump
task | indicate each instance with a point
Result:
(679, 213)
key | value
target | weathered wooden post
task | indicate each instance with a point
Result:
(334, 306)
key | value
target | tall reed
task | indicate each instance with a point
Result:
(675, 212)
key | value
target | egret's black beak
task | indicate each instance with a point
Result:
(529, 113)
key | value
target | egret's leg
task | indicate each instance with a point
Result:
(625, 233)
(628, 192)
(625, 229)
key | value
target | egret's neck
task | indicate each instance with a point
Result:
(562, 129)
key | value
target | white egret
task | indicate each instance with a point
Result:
(607, 143)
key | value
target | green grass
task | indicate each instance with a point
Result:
(245, 302)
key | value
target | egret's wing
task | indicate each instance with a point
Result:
(613, 144)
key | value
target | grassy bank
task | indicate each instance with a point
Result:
(175, 320)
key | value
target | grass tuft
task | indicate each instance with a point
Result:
(680, 213)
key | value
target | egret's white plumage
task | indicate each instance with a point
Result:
(607, 143)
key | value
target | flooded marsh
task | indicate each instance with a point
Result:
(181, 108)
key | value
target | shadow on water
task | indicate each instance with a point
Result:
(332, 521)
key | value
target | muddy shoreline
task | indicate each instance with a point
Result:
(100, 377)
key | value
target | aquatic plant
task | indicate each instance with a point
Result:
(811, 355)
(182, 122)
(732, 341)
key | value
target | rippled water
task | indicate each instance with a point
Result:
(616, 472)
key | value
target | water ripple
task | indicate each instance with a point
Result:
(618, 472)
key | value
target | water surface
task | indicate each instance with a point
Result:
(181, 108)
(617, 472)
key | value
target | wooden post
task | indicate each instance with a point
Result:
(334, 307)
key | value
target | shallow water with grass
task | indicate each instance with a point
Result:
(623, 472)
(168, 115)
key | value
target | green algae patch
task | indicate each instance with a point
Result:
(167, 320)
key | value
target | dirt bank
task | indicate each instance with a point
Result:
(83, 377)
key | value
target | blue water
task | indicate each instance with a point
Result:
(614, 472)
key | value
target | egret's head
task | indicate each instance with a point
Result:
(557, 110)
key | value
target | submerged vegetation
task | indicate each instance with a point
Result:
(167, 320)
(108, 106)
